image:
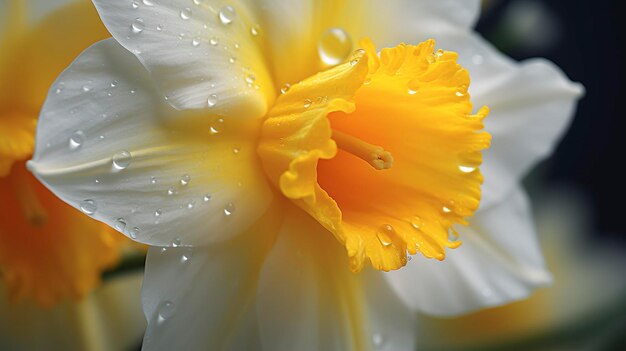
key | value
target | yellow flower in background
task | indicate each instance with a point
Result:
(48, 250)
(278, 176)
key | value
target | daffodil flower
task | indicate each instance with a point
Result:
(278, 173)
(48, 250)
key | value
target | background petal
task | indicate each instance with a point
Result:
(196, 53)
(108, 143)
(309, 300)
(498, 262)
(202, 297)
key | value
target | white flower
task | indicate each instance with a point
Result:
(210, 173)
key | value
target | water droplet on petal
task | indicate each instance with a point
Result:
(176, 242)
(460, 94)
(356, 56)
(446, 209)
(185, 13)
(250, 78)
(120, 224)
(88, 207)
(412, 91)
(254, 30)
(216, 125)
(384, 234)
(227, 14)
(153, 180)
(466, 169)
(134, 232)
(158, 212)
(285, 88)
(76, 140)
(307, 103)
(206, 198)
(114, 83)
(212, 100)
(159, 27)
(87, 88)
(122, 160)
(195, 41)
(171, 191)
(135, 4)
(137, 25)
(186, 256)
(334, 46)
(191, 205)
(148, 2)
(165, 311)
(214, 41)
(236, 150)
(416, 222)
(185, 179)
(229, 209)
(378, 340)
(478, 59)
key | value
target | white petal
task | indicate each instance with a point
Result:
(498, 262)
(106, 106)
(294, 28)
(308, 300)
(192, 55)
(531, 105)
(202, 298)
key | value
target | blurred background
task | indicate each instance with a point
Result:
(577, 195)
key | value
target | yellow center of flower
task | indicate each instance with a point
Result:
(407, 114)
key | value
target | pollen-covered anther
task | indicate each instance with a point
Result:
(375, 155)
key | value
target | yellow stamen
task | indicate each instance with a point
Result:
(375, 155)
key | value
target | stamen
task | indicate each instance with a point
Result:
(375, 155)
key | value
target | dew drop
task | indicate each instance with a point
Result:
(195, 42)
(232, 59)
(88, 207)
(153, 180)
(176, 242)
(285, 88)
(114, 83)
(384, 234)
(186, 256)
(254, 30)
(307, 103)
(138, 25)
(250, 78)
(135, 4)
(206, 198)
(159, 27)
(460, 94)
(212, 100)
(60, 87)
(446, 209)
(171, 191)
(148, 2)
(378, 340)
(214, 41)
(227, 14)
(120, 224)
(416, 222)
(334, 46)
(165, 311)
(356, 56)
(185, 179)
(76, 140)
(134, 232)
(158, 212)
(216, 125)
(229, 209)
(466, 169)
(236, 150)
(478, 59)
(412, 91)
(185, 13)
(191, 205)
(121, 160)
(87, 88)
